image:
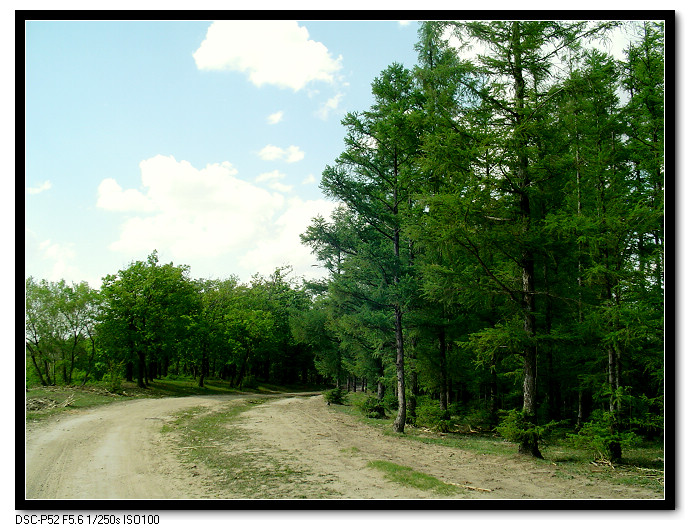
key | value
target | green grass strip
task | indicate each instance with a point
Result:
(411, 478)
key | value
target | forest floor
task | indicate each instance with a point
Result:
(287, 447)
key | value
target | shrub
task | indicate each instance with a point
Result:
(602, 438)
(390, 403)
(514, 427)
(477, 419)
(249, 381)
(429, 413)
(372, 407)
(334, 395)
(112, 376)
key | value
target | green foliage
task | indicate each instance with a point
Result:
(478, 418)
(429, 414)
(602, 437)
(249, 381)
(516, 428)
(390, 402)
(113, 375)
(371, 407)
(335, 396)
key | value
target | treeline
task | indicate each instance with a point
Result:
(151, 321)
(500, 243)
(497, 255)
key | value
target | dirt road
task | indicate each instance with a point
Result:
(111, 452)
(119, 452)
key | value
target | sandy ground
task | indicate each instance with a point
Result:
(112, 452)
(118, 452)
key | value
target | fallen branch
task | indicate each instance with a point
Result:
(67, 402)
(468, 487)
(650, 470)
(603, 462)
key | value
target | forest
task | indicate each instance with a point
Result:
(497, 254)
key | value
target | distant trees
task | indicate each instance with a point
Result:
(60, 330)
(151, 320)
(147, 311)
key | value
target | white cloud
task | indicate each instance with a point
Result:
(289, 155)
(280, 187)
(309, 179)
(404, 22)
(284, 245)
(112, 197)
(53, 261)
(275, 52)
(44, 186)
(330, 106)
(273, 179)
(293, 154)
(271, 152)
(270, 176)
(216, 222)
(194, 212)
(276, 117)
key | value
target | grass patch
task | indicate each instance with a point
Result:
(485, 444)
(43, 402)
(215, 441)
(642, 466)
(413, 479)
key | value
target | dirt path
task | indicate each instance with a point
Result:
(112, 452)
(119, 452)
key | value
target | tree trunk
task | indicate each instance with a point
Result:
(443, 373)
(580, 410)
(204, 364)
(399, 423)
(243, 366)
(529, 388)
(38, 370)
(141, 372)
(529, 446)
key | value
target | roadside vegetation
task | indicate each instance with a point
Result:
(45, 401)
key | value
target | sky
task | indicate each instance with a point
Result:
(202, 140)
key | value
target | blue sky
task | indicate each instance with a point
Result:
(204, 140)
